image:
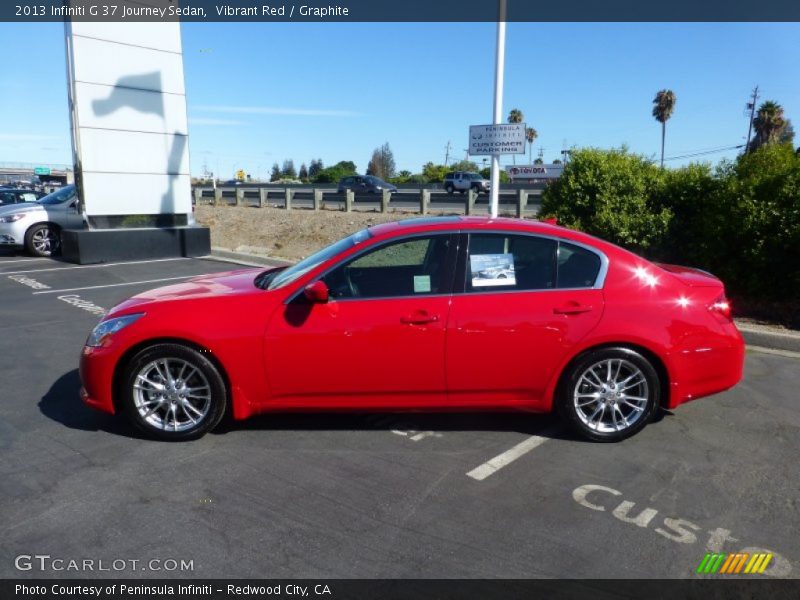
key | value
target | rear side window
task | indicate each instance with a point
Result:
(577, 267)
(498, 262)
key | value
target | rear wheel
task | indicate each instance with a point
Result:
(609, 394)
(449, 189)
(172, 392)
(43, 240)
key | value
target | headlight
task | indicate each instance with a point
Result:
(12, 218)
(105, 329)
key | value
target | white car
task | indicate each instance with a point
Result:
(36, 226)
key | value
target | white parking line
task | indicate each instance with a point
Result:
(97, 287)
(100, 266)
(501, 460)
(8, 262)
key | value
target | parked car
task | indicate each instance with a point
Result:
(18, 195)
(362, 184)
(390, 319)
(36, 226)
(462, 181)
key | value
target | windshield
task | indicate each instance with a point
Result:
(313, 261)
(62, 195)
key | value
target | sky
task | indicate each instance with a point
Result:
(260, 93)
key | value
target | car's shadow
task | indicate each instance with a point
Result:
(62, 403)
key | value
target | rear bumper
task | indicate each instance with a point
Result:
(708, 368)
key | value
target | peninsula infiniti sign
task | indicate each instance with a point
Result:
(485, 140)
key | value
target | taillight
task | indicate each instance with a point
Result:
(721, 306)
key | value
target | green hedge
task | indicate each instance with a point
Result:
(740, 221)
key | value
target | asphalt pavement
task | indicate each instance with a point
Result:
(370, 495)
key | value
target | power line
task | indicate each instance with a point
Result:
(706, 152)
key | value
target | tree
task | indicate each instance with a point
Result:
(770, 125)
(557, 161)
(434, 173)
(664, 106)
(288, 169)
(464, 165)
(382, 163)
(610, 193)
(303, 174)
(336, 172)
(314, 168)
(515, 116)
(530, 134)
(539, 161)
(275, 174)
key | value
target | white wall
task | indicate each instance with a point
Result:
(128, 103)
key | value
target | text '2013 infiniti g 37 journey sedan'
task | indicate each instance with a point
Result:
(400, 317)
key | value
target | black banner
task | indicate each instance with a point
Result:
(324, 11)
(416, 589)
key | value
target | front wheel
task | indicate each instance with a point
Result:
(43, 240)
(172, 392)
(609, 394)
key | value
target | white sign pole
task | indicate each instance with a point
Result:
(499, 66)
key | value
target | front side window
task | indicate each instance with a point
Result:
(498, 262)
(410, 267)
(313, 261)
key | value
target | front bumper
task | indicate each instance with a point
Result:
(96, 371)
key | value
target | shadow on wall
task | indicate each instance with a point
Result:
(147, 100)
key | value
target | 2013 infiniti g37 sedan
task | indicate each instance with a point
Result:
(399, 317)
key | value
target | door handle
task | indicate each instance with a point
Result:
(419, 318)
(572, 308)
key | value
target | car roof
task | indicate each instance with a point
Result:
(477, 223)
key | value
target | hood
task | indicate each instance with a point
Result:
(691, 276)
(228, 283)
(10, 209)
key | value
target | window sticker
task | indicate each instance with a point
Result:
(492, 269)
(422, 283)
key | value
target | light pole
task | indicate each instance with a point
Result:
(499, 66)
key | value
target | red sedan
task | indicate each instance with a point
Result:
(449, 313)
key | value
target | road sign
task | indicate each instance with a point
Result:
(508, 138)
(549, 171)
(41, 171)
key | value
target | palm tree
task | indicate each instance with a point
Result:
(664, 107)
(515, 116)
(769, 124)
(530, 134)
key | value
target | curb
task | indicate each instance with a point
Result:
(248, 259)
(752, 337)
(769, 339)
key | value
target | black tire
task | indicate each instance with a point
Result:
(155, 401)
(449, 189)
(477, 190)
(43, 239)
(612, 393)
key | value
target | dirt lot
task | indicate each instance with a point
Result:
(280, 233)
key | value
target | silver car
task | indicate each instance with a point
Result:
(36, 226)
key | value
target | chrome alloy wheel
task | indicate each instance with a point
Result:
(171, 394)
(611, 395)
(45, 241)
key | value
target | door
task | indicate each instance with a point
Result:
(525, 301)
(378, 342)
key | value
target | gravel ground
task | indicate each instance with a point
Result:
(279, 233)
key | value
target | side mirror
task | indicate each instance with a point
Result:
(317, 292)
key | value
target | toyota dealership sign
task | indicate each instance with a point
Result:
(526, 172)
